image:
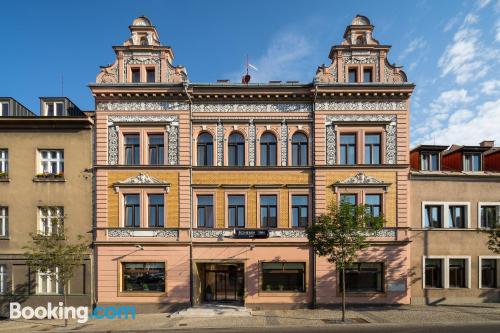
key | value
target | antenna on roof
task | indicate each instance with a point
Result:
(246, 78)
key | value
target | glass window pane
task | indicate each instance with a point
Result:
(372, 199)
(205, 200)
(348, 198)
(132, 199)
(299, 200)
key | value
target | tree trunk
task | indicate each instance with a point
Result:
(343, 294)
(64, 305)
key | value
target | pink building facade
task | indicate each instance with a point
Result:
(203, 191)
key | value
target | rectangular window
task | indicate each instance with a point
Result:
(489, 216)
(472, 162)
(136, 75)
(457, 273)
(429, 161)
(300, 211)
(4, 162)
(3, 279)
(236, 210)
(143, 277)
(372, 149)
(51, 162)
(348, 149)
(457, 217)
(349, 198)
(156, 210)
(4, 109)
(363, 277)
(433, 216)
(489, 273)
(4, 220)
(205, 211)
(353, 75)
(283, 276)
(268, 211)
(132, 210)
(47, 282)
(373, 204)
(51, 220)
(54, 109)
(150, 75)
(132, 149)
(156, 149)
(433, 273)
(367, 75)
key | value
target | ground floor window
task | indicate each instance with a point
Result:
(363, 277)
(489, 272)
(143, 277)
(283, 276)
(457, 273)
(3, 279)
(48, 282)
(433, 273)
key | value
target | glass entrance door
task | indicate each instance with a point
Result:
(224, 283)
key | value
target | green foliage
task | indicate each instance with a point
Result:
(46, 252)
(342, 232)
(493, 237)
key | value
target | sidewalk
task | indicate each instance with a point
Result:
(240, 318)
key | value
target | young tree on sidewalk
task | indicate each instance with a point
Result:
(493, 233)
(341, 233)
(54, 253)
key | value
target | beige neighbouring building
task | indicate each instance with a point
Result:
(454, 195)
(45, 173)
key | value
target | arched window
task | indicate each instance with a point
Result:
(205, 150)
(360, 40)
(144, 41)
(299, 149)
(268, 149)
(236, 150)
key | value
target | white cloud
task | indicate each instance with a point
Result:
(448, 100)
(497, 35)
(416, 44)
(460, 116)
(472, 129)
(491, 87)
(483, 3)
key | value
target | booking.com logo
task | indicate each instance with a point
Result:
(81, 313)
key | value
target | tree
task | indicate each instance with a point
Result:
(493, 237)
(54, 252)
(341, 233)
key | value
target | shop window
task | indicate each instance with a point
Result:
(143, 277)
(283, 276)
(363, 277)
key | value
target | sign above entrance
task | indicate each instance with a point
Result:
(251, 233)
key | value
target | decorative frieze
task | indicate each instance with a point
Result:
(128, 232)
(251, 107)
(284, 143)
(142, 106)
(360, 179)
(113, 134)
(142, 179)
(210, 233)
(251, 143)
(390, 135)
(287, 233)
(361, 105)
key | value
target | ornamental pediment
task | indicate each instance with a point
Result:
(141, 180)
(360, 179)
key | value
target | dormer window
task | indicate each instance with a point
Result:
(353, 75)
(472, 162)
(136, 75)
(54, 109)
(429, 161)
(367, 75)
(4, 109)
(144, 41)
(150, 75)
(360, 40)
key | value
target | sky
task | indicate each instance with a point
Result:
(449, 49)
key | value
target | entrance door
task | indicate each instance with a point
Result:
(224, 283)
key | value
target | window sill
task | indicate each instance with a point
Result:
(4, 237)
(435, 288)
(489, 288)
(43, 179)
(363, 293)
(4, 179)
(264, 293)
(141, 293)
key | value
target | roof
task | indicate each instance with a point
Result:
(429, 148)
(457, 148)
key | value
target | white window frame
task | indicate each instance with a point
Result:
(49, 276)
(2, 108)
(484, 203)
(59, 159)
(42, 219)
(480, 258)
(446, 213)
(3, 279)
(4, 161)
(46, 109)
(446, 270)
(4, 220)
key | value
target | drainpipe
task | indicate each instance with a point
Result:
(191, 277)
(313, 265)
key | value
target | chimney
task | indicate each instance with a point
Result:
(487, 143)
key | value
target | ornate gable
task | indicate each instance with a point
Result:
(359, 50)
(142, 49)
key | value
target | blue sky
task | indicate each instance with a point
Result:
(449, 49)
